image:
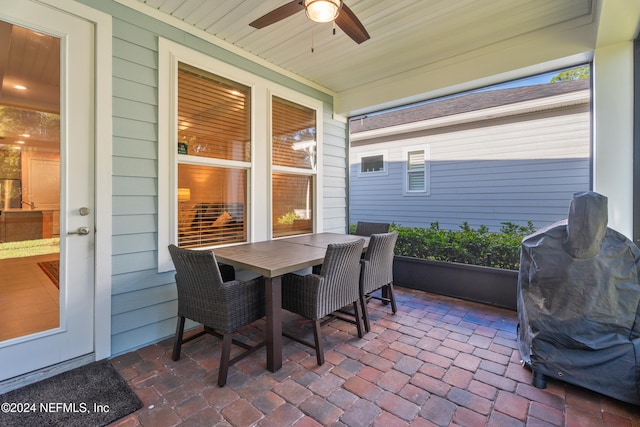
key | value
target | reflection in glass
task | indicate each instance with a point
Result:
(292, 204)
(211, 206)
(294, 134)
(214, 116)
(29, 182)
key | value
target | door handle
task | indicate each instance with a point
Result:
(82, 231)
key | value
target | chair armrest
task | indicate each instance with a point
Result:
(300, 294)
(244, 302)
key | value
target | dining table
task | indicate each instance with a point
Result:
(272, 259)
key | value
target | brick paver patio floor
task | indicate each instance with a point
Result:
(437, 362)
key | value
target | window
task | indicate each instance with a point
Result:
(211, 205)
(373, 163)
(294, 166)
(233, 158)
(214, 154)
(416, 169)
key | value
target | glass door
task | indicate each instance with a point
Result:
(46, 187)
(29, 184)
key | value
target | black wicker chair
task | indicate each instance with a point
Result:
(369, 228)
(222, 307)
(363, 229)
(316, 296)
(376, 272)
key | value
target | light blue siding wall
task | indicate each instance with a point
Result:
(335, 167)
(517, 169)
(144, 301)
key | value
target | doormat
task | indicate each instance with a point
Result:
(91, 395)
(51, 269)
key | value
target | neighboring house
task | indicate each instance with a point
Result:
(502, 155)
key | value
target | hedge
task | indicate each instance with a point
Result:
(466, 245)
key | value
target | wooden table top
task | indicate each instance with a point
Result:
(277, 257)
(271, 258)
(322, 240)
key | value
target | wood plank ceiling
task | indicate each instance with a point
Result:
(405, 34)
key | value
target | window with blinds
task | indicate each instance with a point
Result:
(214, 116)
(294, 134)
(292, 204)
(416, 171)
(211, 206)
(228, 164)
(294, 165)
(214, 155)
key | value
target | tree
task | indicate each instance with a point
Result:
(572, 74)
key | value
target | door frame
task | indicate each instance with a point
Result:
(636, 141)
(102, 169)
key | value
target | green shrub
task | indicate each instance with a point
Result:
(466, 245)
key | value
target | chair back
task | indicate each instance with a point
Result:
(377, 265)
(199, 284)
(369, 228)
(341, 268)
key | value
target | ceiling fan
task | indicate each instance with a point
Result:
(319, 11)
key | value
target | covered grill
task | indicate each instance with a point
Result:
(578, 303)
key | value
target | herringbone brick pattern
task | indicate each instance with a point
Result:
(437, 362)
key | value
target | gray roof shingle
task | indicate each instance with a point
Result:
(463, 103)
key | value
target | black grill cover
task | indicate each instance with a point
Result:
(578, 302)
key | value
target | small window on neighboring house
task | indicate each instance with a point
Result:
(416, 170)
(373, 163)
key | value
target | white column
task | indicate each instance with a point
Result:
(613, 132)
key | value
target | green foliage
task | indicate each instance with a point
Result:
(466, 245)
(572, 74)
(288, 218)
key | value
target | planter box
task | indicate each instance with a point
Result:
(487, 285)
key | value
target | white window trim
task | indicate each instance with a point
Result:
(385, 163)
(427, 170)
(260, 169)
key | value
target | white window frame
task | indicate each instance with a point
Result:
(259, 168)
(385, 163)
(426, 190)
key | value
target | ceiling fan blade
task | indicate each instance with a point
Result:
(351, 25)
(278, 14)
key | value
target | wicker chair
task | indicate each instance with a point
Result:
(222, 307)
(363, 229)
(369, 228)
(377, 273)
(315, 296)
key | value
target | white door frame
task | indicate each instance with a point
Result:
(100, 344)
(102, 167)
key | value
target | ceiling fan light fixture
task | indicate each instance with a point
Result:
(322, 10)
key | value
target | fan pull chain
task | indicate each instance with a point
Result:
(334, 27)
(312, 48)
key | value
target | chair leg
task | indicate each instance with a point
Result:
(177, 341)
(384, 295)
(224, 359)
(365, 313)
(392, 297)
(358, 313)
(318, 342)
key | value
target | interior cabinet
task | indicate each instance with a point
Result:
(22, 225)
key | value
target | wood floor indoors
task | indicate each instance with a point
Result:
(29, 300)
